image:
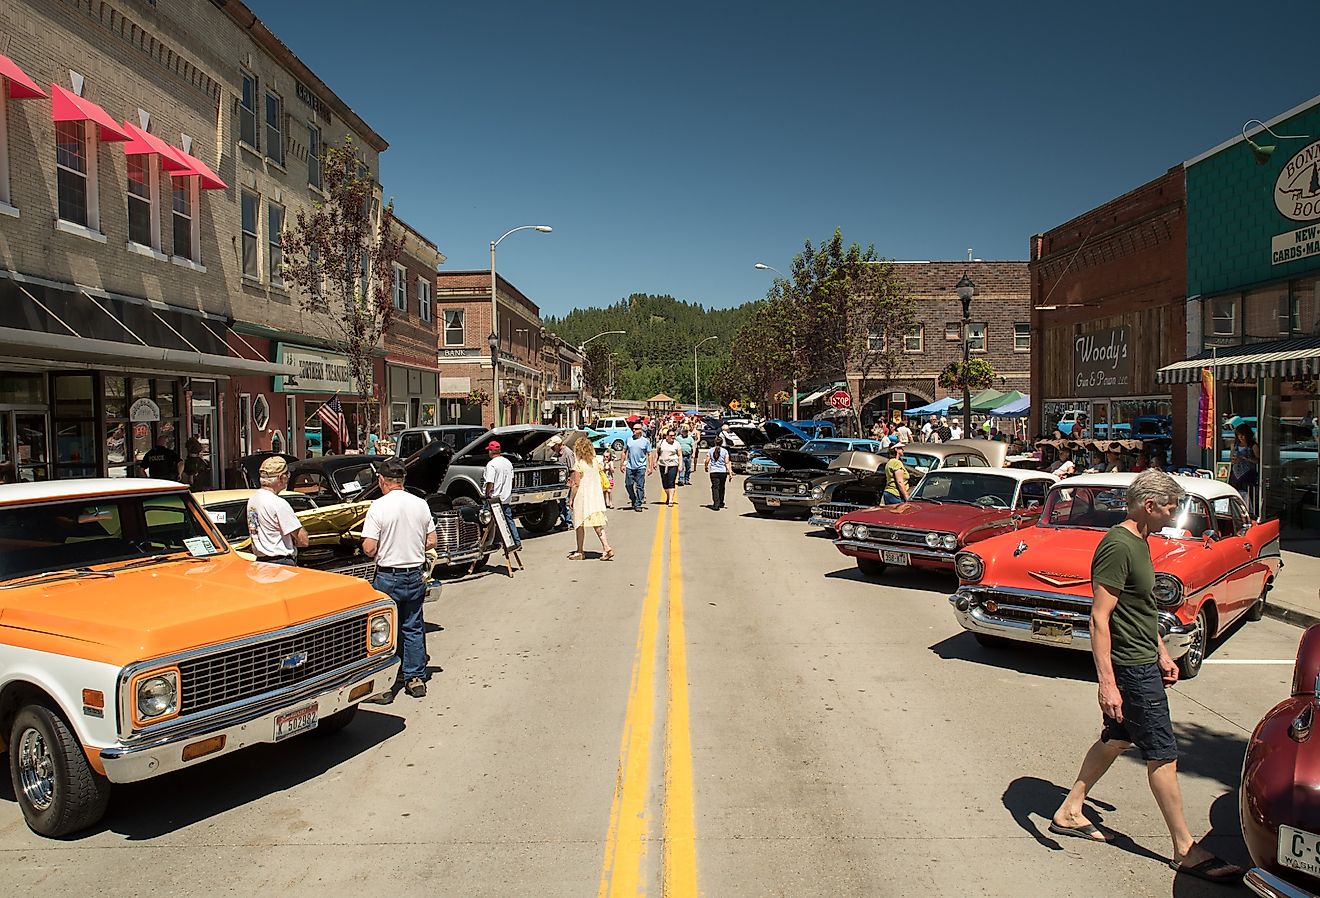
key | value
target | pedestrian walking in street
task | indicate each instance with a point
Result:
(904, 434)
(588, 500)
(639, 463)
(928, 429)
(397, 531)
(943, 430)
(498, 480)
(564, 455)
(1134, 670)
(276, 532)
(608, 467)
(689, 446)
(1244, 472)
(896, 477)
(955, 431)
(669, 457)
(717, 465)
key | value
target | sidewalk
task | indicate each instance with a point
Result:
(1295, 597)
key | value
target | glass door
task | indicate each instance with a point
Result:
(23, 441)
(1099, 425)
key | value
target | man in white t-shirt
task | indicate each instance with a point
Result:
(498, 478)
(928, 429)
(955, 431)
(398, 530)
(274, 528)
(904, 434)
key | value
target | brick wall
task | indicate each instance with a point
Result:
(412, 340)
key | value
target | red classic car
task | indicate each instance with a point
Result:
(1280, 796)
(1212, 566)
(951, 508)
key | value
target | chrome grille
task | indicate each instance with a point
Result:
(890, 535)
(453, 534)
(1015, 606)
(253, 670)
(834, 510)
(531, 478)
(365, 570)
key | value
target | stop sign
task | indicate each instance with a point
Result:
(839, 399)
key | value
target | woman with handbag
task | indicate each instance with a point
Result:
(1244, 474)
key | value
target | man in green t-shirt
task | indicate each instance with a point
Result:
(1134, 669)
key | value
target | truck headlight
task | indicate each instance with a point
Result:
(484, 516)
(1168, 590)
(563, 475)
(157, 695)
(382, 630)
(969, 566)
(747, 486)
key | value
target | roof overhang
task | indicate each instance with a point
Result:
(1282, 358)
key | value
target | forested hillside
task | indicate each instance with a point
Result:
(655, 355)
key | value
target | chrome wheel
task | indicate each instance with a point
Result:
(36, 770)
(1189, 665)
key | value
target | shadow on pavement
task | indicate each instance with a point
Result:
(156, 807)
(1206, 753)
(1224, 838)
(1032, 802)
(1035, 660)
(920, 581)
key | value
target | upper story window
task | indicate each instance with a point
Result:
(1223, 321)
(247, 111)
(275, 253)
(976, 331)
(876, 342)
(274, 128)
(250, 203)
(424, 299)
(184, 216)
(915, 339)
(314, 156)
(141, 201)
(1022, 337)
(75, 146)
(454, 327)
(953, 331)
(400, 288)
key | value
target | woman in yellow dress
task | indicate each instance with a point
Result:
(587, 500)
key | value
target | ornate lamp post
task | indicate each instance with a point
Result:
(493, 341)
(966, 290)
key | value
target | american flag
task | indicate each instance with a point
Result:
(332, 413)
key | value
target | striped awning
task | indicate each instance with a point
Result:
(1282, 358)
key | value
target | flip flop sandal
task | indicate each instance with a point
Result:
(576, 556)
(608, 556)
(1086, 832)
(1232, 872)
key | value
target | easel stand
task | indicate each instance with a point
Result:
(500, 527)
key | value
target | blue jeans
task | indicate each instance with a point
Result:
(686, 475)
(637, 486)
(891, 499)
(565, 516)
(408, 590)
(513, 527)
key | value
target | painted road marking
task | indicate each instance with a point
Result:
(1289, 662)
(625, 842)
(679, 853)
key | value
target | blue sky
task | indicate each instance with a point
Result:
(673, 145)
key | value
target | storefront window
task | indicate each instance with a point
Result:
(22, 389)
(1236, 404)
(1289, 451)
(1306, 306)
(1267, 313)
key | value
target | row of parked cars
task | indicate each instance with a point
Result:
(1020, 543)
(138, 636)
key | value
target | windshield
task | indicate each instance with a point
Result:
(84, 532)
(919, 461)
(825, 448)
(973, 489)
(1101, 507)
(351, 481)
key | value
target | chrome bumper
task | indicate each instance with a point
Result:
(1176, 636)
(129, 763)
(1268, 885)
(782, 497)
(876, 548)
(537, 495)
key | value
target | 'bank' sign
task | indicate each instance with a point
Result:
(1102, 363)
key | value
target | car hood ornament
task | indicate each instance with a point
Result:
(1021, 547)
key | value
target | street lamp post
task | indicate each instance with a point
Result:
(696, 384)
(495, 314)
(966, 289)
(493, 342)
(761, 266)
(582, 351)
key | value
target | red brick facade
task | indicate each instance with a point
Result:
(411, 385)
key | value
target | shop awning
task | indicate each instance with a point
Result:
(1014, 408)
(819, 393)
(938, 407)
(142, 143)
(985, 400)
(208, 180)
(21, 87)
(1282, 358)
(68, 324)
(67, 106)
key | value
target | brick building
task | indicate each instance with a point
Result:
(1109, 311)
(463, 301)
(149, 158)
(999, 332)
(411, 369)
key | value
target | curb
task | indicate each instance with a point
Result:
(1292, 616)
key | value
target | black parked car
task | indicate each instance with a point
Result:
(803, 479)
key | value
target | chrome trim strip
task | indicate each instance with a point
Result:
(1267, 885)
(126, 675)
(800, 497)
(1177, 638)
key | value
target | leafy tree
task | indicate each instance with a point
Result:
(340, 255)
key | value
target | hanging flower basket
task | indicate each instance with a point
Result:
(478, 397)
(579, 404)
(976, 374)
(513, 398)
(782, 397)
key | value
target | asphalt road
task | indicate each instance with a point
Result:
(727, 709)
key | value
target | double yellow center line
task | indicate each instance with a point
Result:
(624, 872)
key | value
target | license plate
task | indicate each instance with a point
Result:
(291, 723)
(1051, 631)
(773, 503)
(900, 558)
(1299, 850)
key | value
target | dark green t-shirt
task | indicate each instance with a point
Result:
(1122, 565)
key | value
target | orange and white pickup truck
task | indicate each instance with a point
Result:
(134, 641)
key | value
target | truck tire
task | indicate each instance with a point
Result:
(335, 722)
(56, 788)
(543, 519)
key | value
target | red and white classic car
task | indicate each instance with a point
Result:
(1280, 796)
(1213, 565)
(950, 509)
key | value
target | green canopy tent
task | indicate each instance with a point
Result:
(986, 400)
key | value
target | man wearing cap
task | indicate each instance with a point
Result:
(274, 528)
(567, 459)
(498, 478)
(397, 532)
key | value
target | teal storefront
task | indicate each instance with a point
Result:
(1253, 287)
